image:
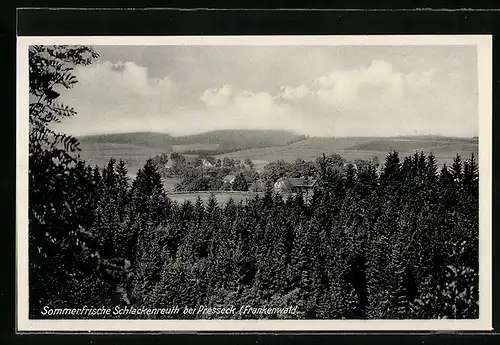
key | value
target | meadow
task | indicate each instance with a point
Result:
(135, 156)
(351, 148)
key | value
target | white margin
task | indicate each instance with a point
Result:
(484, 61)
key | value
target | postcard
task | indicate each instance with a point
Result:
(254, 183)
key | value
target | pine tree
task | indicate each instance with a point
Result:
(471, 177)
(350, 176)
(378, 276)
(390, 173)
(240, 183)
(106, 213)
(431, 176)
(456, 170)
(367, 180)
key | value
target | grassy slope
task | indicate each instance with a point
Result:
(362, 148)
(135, 156)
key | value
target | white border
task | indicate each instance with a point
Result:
(484, 61)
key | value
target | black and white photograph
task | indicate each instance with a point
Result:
(254, 183)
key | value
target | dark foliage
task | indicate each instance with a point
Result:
(402, 245)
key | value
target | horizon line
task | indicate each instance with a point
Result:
(473, 136)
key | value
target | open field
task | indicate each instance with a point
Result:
(362, 148)
(135, 156)
(221, 197)
(194, 147)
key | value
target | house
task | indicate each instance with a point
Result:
(228, 179)
(289, 185)
(206, 163)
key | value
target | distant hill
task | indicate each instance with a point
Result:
(239, 139)
(136, 148)
(146, 139)
(401, 144)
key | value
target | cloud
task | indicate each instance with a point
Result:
(376, 99)
(217, 98)
(231, 107)
(107, 82)
(376, 84)
(117, 97)
(294, 94)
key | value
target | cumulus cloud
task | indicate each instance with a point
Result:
(294, 94)
(231, 107)
(217, 98)
(375, 84)
(123, 80)
(375, 99)
(117, 97)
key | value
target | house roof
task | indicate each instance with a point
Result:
(228, 178)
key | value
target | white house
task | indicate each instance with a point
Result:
(206, 163)
(229, 179)
(288, 185)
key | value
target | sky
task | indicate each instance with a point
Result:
(312, 90)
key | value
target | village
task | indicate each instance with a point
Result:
(204, 174)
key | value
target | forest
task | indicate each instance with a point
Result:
(399, 242)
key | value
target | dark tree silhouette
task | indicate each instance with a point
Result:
(240, 183)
